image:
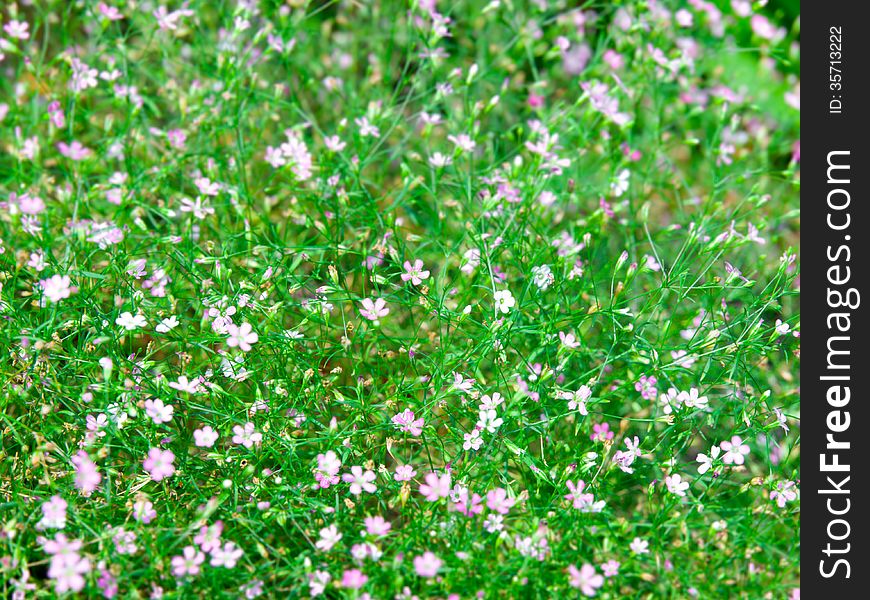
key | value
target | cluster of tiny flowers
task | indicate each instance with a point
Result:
(399, 300)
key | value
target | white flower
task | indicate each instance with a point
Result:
(620, 185)
(625, 458)
(639, 546)
(167, 324)
(439, 160)
(683, 358)
(473, 441)
(577, 399)
(488, 402)
(329, 537)
(366, 128)
(206, 186)
(130, 322)
(185, 385)
(543, 276)
(504, 301)
(463, 142)
(676, 485)
(692, 399)
(317, 582)
(671, 401)
(707, 461)
(489, 420)
(198, 207)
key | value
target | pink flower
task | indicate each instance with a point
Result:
(466, 502)
(209, 537)
(610, 568)
(601, 432)
(242, 336)
(360, 480)
(205, 437)
(535, 101)
(169, 21)
(68, 570)
(17, 29)
(158, 464)
(406, 422)
(110, 12)
(603, 103)
(296, 152)
(647, 387)
(353, 579)
(569, 340)
(415, 272)
(87, 476)
(329, 537)
(328, 466)
(374, 309)
(176, 138)
(334, 143)
(226, 556)
(377, 525)
(366, 128)
(247, 436)
(159, 412)
(29, 205)
(74, 151)
(206, 186)
(125, 541)
(577, 399)
(763, 28)
(576, 495)
(463, 142)
(498, 501)
(188, 563)
(735, 450)
(184, 384)
(783, 493)
(427, 565)
(585, 579)
(436, 487)
(56, 287)
(613, 59)
(143, 511)
(53, 514)
(404, 473)
(61, 545)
